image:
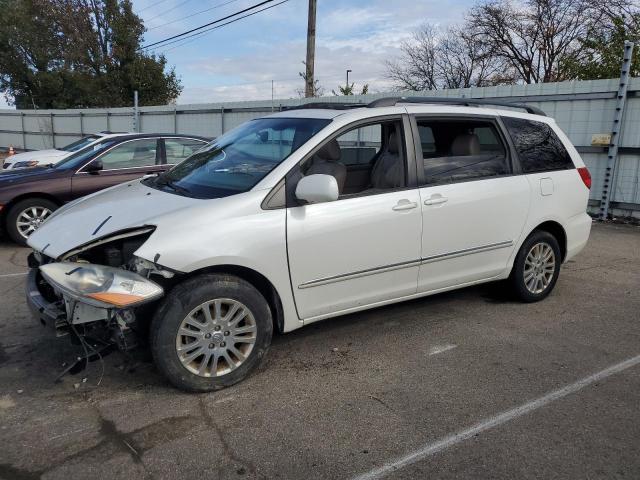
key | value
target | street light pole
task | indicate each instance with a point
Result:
(348, 71)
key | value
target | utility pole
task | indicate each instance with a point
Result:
(348, 71)
(272, 95)
(136, 113)
(311, 50)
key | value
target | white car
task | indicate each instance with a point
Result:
(52, 156)
(309, 214)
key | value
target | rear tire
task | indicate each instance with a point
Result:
(26, 216)
(198, 340)
(536, 267)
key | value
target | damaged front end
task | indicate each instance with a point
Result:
(100, 293)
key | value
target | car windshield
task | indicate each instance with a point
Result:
(79, 144)
(77, 159)
(237, 161)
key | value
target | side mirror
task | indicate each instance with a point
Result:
(317, 188)
(94, 167)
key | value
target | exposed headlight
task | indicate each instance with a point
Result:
(101, 286)
(26, 164)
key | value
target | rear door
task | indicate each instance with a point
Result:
(474, 205)
(126, 161)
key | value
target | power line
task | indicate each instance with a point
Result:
(199, 34)
(153, 4)
(169, 10)
(192, 15)
(208, 24)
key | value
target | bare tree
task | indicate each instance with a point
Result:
(449, 58)
(535, 38)
(462, 62)
(416, 69)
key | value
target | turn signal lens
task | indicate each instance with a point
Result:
(585, 176)
(117, 299)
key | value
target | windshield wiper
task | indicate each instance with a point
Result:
(163, 182)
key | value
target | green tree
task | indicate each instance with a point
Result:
(317, 91)
(78, 53)
(349, 90)
(604, 49)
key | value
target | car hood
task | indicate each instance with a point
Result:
(37, 155)
(125, 206)
(23, 175)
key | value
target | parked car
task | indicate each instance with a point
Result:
(50, 156)
(309, 214)
(28, 197)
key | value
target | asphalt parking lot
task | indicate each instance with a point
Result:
(456, 381)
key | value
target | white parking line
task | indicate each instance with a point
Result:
(13, 274)
(440, 349)
(451, 440)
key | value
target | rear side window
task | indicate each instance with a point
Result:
(177, 149)
(539, 148)
(460, 150)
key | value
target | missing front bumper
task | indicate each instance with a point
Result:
(49, 314)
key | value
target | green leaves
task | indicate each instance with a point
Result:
(78, 53)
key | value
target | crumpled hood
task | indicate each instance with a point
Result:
(90, 218)
(41, 155)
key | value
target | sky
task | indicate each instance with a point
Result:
(239, 61)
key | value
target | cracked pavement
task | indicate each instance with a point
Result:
(341, 397)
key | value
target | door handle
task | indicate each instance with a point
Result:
(436, 199)
(405, 204)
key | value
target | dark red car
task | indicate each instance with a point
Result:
(28, 197)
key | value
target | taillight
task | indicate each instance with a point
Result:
(585, 176)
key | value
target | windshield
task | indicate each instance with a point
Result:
(78, 144)
(237, 161)
(78, 158)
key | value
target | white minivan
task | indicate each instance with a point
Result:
(307, 214)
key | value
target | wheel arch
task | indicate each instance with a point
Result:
(255, 278)
(4, 214)
(27, 196)
(558, 231)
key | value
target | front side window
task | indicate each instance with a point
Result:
(360, 145)
(136, 153)
(237, 161)
(460, 150)
(177, 149)
(364, 160)
(539, 148)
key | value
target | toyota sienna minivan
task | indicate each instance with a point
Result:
(308, 214)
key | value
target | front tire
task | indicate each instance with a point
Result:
(26, 216)
(211, 332)
(536, 267)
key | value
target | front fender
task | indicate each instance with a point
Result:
(231, 231)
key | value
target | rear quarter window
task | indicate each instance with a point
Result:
(539, 148)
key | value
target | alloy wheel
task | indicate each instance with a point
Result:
(216, 337)
(30, 219)
(539, 268)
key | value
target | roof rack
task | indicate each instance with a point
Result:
(326, 106)
(467, 102)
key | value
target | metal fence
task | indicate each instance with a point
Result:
(585, 110)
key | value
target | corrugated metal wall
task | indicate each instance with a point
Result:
(581, 109)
